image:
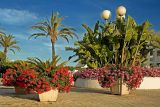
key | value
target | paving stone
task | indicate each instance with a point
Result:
(79, 97)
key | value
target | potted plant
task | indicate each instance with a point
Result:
(50, 80)
(43, 77)
(120, 79)
(87, 78)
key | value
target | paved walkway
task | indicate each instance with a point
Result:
(83, 98)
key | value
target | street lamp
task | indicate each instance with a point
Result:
(121, 11)
(106, 14)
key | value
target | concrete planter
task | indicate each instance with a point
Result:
(87, 83)
(19, 90)
(150, 83)
(49, 96)
(120, 88)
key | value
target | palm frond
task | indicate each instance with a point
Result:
(46, 64)
(65, 37)
(12, 50)
(16, 47)
(41, 28)
(35, 35)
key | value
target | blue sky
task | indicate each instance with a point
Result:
(17, 17)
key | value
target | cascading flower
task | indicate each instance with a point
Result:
(108, 75)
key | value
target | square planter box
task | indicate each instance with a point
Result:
(87, 83)
(49, 96)
(120, 88)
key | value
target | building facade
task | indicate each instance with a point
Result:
(155, 58)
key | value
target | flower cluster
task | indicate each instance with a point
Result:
(22, 78)
(87, 73)
(62, 80)
(108, 75)
(9, 77)
(132, 76)
(39, 85)
(151, 72)
(39, 80)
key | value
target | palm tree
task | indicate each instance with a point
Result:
(8, 42)
(51, 28)
(1, 33)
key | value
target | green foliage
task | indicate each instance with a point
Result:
(2, 57)
(122, 42)
(43, 65)
(52, 28)
(8, 43)
(4, 63)
(21, 64)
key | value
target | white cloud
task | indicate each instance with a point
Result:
(14, 16)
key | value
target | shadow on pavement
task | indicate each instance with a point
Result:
(90, 90)
(11, 93)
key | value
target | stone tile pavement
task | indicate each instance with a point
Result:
(79, 97)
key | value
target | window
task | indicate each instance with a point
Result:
(151, 53)
(158, 53)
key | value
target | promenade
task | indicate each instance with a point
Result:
(79, 97)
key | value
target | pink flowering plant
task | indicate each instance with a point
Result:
(87, 73)
(151, 72)
(132, 76)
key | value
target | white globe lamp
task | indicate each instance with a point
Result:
(106, 14)
(121, 11)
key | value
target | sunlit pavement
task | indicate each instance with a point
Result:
(79, 97)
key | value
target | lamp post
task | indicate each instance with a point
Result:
(121, 11)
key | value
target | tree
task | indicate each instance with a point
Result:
(9, 43)
(51, 28)
(121, 42)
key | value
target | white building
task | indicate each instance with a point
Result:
(155, 58)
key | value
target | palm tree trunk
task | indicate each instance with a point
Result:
(53, 50)
(5, 52)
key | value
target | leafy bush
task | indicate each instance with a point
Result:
(121, 42)
(41, 77)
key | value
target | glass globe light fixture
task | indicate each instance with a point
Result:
(121, 11)
(106, 14)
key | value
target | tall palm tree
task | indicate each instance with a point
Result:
(51, 28)
(8, 43)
